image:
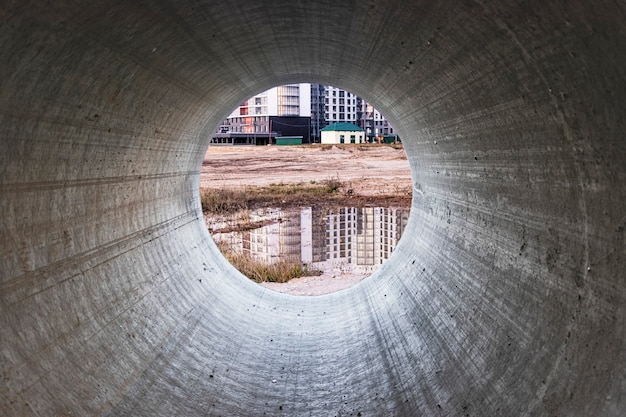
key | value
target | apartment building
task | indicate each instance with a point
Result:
(280, 111)
(300, 110)
(334, 105)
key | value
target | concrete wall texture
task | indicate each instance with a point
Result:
(505, 298)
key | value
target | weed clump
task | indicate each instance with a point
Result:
(222, 201)
(332, 185)
(219, 200)
(260, 271)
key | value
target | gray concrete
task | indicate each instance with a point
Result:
(505, 298)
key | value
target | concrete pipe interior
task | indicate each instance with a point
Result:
(505, 297)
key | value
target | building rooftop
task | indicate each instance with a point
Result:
(342, 126)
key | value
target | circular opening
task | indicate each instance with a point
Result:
(306, 188)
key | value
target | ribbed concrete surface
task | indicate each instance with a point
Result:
(506, 297)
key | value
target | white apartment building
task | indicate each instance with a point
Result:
(253, 115)
(373, 122)
(334, 105)
(339, 105)
(322, 105)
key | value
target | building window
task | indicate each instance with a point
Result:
(342, 139)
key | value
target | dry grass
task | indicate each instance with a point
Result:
(259, 271)
(329, 192)
(220, 200)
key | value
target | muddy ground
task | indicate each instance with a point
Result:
(375, 173)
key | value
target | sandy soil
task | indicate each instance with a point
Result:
(316, 285)
(367, 170)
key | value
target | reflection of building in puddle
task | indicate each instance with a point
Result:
(342, 240)
(361, 239)
(278, 240)
(378, 231)
(313, 235)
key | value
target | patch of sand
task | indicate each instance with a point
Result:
(315, 285)
(368, 170)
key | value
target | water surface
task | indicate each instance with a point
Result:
(341, 240)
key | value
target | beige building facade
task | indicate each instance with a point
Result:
(338, 133)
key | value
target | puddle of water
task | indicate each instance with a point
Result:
(337, 241)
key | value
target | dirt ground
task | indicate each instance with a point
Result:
(368, 170)
(315, 285)
(373, 171)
